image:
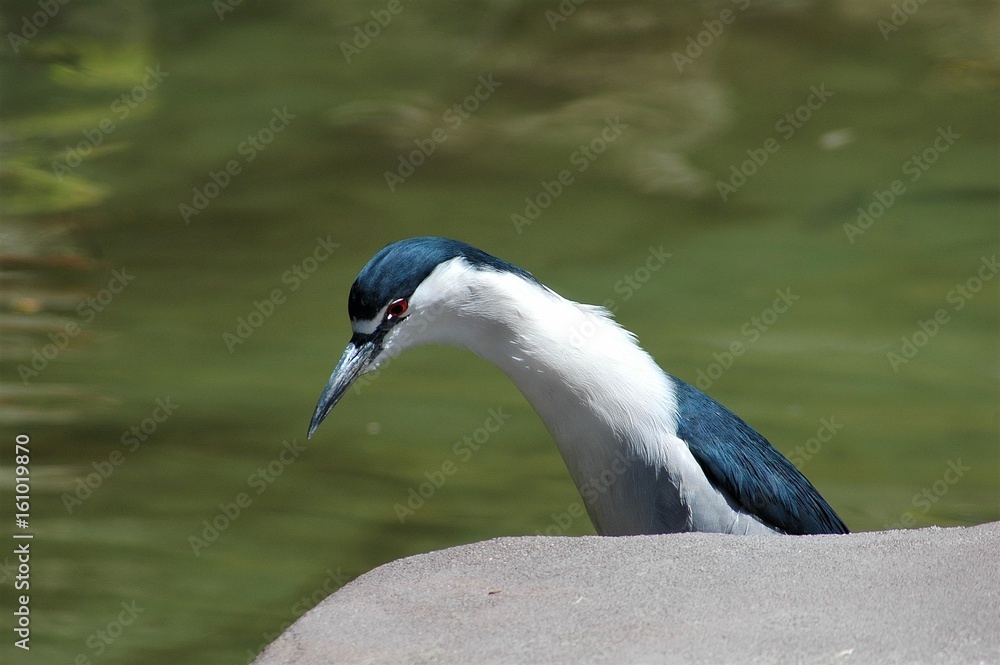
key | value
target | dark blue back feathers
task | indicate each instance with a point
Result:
(398, 269)
(741, 462)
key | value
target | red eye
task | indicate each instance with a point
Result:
(397, 308)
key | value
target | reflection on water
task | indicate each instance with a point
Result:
(577, 145)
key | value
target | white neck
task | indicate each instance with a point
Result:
(583, 374)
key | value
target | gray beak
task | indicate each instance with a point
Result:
(358, 355)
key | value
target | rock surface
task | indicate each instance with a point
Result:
(920, 596)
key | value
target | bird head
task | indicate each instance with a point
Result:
(398, 301)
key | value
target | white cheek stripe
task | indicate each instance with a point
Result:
(365, 326)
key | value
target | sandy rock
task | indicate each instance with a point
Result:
(910, 596)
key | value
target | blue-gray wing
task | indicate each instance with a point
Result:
(741, 462)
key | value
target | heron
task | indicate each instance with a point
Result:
(648, 452)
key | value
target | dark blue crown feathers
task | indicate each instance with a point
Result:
(398, 269)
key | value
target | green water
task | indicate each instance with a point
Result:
(906, 441)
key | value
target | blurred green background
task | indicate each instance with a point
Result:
(167, 167)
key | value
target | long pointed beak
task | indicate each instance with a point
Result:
(357, 356)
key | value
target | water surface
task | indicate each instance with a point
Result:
(832, 117)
